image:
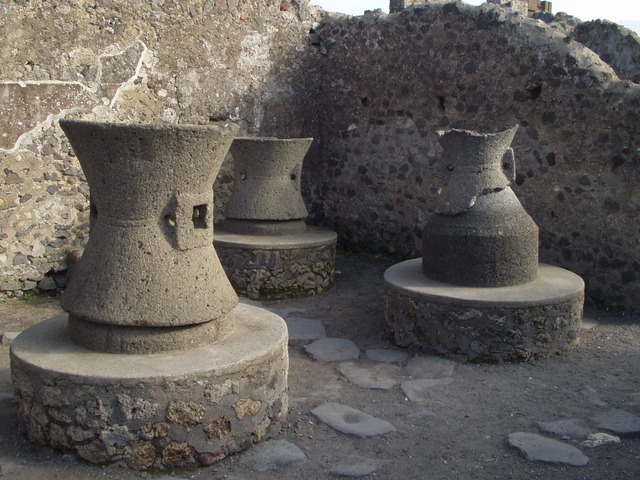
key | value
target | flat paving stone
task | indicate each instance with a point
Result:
(598, 439)
(385, 355)
(305, 329)
(569, 427)
(538, 448)
(618, 421)
(358, 467)
(418, 390)
(430, 367)
(273, 455)
(381, 377)
(351, 421)
(333, 350)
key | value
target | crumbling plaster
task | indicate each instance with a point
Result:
(372, 90)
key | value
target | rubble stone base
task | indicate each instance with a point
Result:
(166, 410)
(518, 323)
(278, 266)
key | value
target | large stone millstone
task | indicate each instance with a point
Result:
(150, 260)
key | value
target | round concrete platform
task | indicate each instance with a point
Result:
(278, 266)
(172, 409)
(533, 320)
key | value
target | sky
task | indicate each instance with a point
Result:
(625, 12)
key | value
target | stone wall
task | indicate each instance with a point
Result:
(168, 61)
(394, 80)
(372, 90)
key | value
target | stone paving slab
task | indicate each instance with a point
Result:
(599, 439)
(351, 421)
(619, 421)
(333, 350)
(418, 390)
(536, 447)
(385, 355)
(305, 329)
(430, 367)
(570, 428)
(273, 455)
(358, 467)
(381, 376)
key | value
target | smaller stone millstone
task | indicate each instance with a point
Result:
(619, 421)
(350, 421)
(537, 447)
(333, 350)
(273, 455)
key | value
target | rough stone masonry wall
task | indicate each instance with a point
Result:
(169, 61)
(392, 81)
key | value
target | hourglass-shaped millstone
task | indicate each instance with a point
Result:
(266, 198)
(480, 235)
(149, 278)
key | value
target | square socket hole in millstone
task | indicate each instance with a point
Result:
(199, 216)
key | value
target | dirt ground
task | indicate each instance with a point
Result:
(459, 432)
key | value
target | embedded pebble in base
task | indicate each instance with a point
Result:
(537, 447)
(305, 329)
(570, 428)
(333, 350)
(382, 377)
(385, 355)
(430, 367)
(350, 421)
(619, 421)
(418, 390)
(273, 455)
(359, 467)
(598, 439)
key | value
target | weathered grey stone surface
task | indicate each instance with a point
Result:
(358, 467)
(539, 448)
(619, 421)
(351, 421)
(571, 428)
(305, 329)
(333, 350)
(515, 323)
(381, 376)
(386, 355)
(8, 337)
(273, 455)
(172, 409)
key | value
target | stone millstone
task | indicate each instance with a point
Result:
(537, 447)
(172, 409)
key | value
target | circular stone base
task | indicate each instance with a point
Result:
(516, 323)
(173, 409)
(278, 266)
